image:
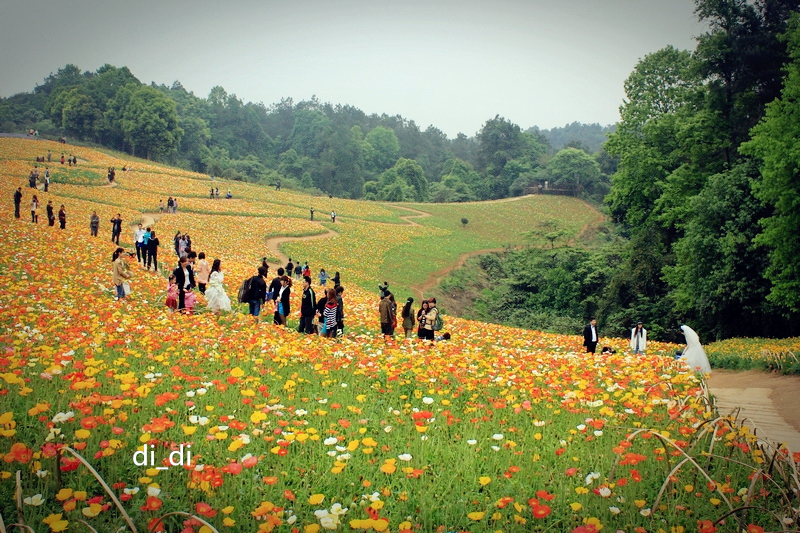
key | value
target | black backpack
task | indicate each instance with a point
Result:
(244, 290)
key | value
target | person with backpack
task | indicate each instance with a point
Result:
(308, 307)
(431, 317)
(256, 292)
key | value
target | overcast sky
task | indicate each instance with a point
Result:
(452, 64)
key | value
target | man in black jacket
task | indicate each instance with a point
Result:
(17, 201)
(258, 292)
(184, 278)
(308, 309)
(590, 336)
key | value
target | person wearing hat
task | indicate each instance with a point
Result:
(638, 339)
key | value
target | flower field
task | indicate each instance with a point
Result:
(122, 416)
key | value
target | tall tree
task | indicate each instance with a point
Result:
(776, 143)
(150, 122)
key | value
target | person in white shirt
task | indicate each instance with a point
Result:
(138, 237)
(638, 339)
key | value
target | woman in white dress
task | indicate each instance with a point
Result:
(216, 299)
(694, 355)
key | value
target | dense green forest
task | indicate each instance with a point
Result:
(309, 145)
(705, 198)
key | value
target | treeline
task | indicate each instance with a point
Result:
(706, 196)
(309, 145)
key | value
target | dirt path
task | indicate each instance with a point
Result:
(273, 243)
(407, 218)
(767, 401)
(435, 278)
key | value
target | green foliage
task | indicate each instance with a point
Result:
(575, 170)
(150, 122)
(548, 290)
(776, 142)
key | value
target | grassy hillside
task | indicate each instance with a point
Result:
(498, 429)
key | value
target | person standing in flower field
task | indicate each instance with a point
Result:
(385, 312)
(203, 272)
(17, 201)
(590, 336)
(258, 292)
(120, 272)
(138, 238)
(116, 228)
(638, 339)
(421, 314)
(35, 209)
(152, 251)
(284, 294)
(46, 179)
(408, 318)
(308, 308)
(94, 223)
(430, 320)
(62, 217)
(51, 217)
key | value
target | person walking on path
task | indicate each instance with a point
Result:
(152, 251)
(116, 228)
(35, 209)
(590, 336)
(258, 292)
(62, 217)
(120, 272)
(289, 267)
(94, 223)
(308, 308)
(408, 318)
(216, 298)
(638, 339)
(17, 201)
(51, 216)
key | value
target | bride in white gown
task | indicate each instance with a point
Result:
(216, 299)
(694, 354)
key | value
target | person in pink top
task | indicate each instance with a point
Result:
(203, 272)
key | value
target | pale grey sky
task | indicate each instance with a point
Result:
(452, 64)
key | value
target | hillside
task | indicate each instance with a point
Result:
(496, 429)
(373, 242)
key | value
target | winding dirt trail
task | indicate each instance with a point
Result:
(273, 243)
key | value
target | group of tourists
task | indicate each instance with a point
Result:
(171, 207)
(323, 316)
(694, 354)
(35, 205)
(428, 318)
